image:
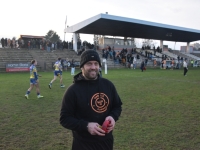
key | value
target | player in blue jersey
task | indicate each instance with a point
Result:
(33, 80)
(57, 73)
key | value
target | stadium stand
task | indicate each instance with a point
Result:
(185, 55)
(169, 54)
(196, 54)
(45, 59)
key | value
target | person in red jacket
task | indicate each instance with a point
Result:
(87, 103)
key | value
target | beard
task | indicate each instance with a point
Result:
(90, 74)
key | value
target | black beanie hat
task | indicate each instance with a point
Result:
(89, 55)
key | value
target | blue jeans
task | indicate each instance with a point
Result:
(48, 49)
(134, 66)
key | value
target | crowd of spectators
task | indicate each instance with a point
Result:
(88, 45)
(123, 57)
(12, 43)
(31, 44)
(36, 43)
(130, 58)
(81, 51)
(173, 63)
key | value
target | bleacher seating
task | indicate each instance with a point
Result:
(43, 57)
(196, 54)
(191, 56)
(185, 55)
(110, 63)
(171, 55)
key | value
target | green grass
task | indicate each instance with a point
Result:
(161, 110)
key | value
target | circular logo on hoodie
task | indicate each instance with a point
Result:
(99, 102)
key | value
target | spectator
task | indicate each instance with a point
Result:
(114, 55)
(154, 63)
(2, 42)
(142, 66)
(72, 67)
(134, 62)
(29, 45)
(87, 103)
(146, 61)
(191, 62)
(185, 67)
(172, 64)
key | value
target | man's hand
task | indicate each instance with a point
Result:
(94, 129)
(111, 125)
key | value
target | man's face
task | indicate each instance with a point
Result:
(90, 70)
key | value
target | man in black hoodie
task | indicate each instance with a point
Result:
(87, 103)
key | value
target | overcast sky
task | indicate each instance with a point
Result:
(37, 17)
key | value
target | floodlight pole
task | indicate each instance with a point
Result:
(174, 45)
(65, 27)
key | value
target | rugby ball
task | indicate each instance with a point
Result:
(105, 125)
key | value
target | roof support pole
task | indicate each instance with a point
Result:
(188, 47)
(161, 44)
(75, 40)
(125, 40)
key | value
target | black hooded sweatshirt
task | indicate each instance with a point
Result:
(89, 101)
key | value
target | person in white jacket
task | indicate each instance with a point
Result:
(134, 62)
(185, 67)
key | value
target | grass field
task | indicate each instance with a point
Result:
(161, 111)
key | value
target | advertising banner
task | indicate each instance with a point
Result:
(17, 67)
